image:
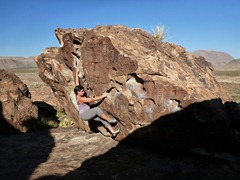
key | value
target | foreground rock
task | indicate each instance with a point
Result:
(74, 154)
(146, 79)
(17, 112)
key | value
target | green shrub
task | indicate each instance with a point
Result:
(43, 123)
(66, 122)
(61, 119)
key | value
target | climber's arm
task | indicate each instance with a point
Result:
(76, 77)
(88, 100)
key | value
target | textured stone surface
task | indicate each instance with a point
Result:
(74, 154)
(16, 108)
(146, 79)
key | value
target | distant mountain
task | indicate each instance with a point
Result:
(233, 65)
(214, 57)
(10, 62)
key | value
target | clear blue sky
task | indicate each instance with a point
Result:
(27, 26)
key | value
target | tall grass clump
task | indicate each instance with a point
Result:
(159, 32)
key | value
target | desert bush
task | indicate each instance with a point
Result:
(159, 32)
(59, 120)
(65, 120)
(43, 123)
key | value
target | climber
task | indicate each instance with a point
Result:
(87, 113)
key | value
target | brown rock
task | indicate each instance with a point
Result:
(16, 108)
(69, 153)
(146, 79)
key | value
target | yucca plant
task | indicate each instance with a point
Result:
(159, 32)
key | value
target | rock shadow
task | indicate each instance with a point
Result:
(194, 143)
(21, 153)
(45, 110)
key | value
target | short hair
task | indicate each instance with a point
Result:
(78, 88)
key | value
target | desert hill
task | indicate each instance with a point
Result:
(233, 65)
(10, 62)
(214, 57)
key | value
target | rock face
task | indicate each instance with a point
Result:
(16, 108)
(146, 79)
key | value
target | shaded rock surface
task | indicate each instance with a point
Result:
(208, 125)
(16, 108)
(69, 153)
(146, 79)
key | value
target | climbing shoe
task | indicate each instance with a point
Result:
(115, 133)
(112, 121)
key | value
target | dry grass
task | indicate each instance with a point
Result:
(29, 76)
(233, 89)
(159, 32)
(227, 73)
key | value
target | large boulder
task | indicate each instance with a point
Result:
(147, 79)
(17, 112)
